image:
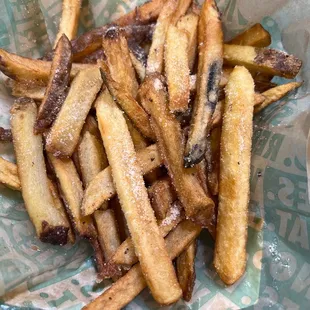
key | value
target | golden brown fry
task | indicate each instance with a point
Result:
(49, 223)
(275, 94)
(149, 245)
(69, 19)
(177, 69)
(167, 129)
(129, 286)
(202, 175)
(9, 175)
(5, 135)
(162, 195)
(236, 139)
(29, 90)
(57, 87)
(138, 65)
(254, 36)
(210, 61)
(171, 11)
(185, 264)
(102, 188)
(138, 140)
(265, 60)
(65, 132)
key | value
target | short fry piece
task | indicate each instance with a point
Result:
(177, 69)
(236, 139)
(5, 135)
(265, 60)
(210, 62)
(275, 94)
(56, 91)
(9, 175)
(149, 245)
(69, 19)
(49, 223)
(102, 188)
(255, 36)
(65, 132)
(186, 270)
(129, 286)
(29, 90)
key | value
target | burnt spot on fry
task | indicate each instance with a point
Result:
(195, 156)
(112, 33)
(213, 82)
(5, 135)
(57, 235)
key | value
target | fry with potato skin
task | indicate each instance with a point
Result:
(9, 175)
(29, 90)
(197, 205)
(149, 245)
(230, 244)
(64, 135)
(210, 62)
(57, 87)
(49, 223)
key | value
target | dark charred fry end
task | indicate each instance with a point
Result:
(5, 135)
(112, 33)
(110, 270)
(195, 156)
(213, 82)
(138, 51)
(56, 235)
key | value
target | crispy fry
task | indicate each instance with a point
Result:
(57, 87)
(102, 188)
(254, 36)
(138, 140)
(5, 135)
(138, 65)
(129, 286)
(210, 61)
(29, 90)
(167, 129)
(186, 270)
(64, 135)
(202, 175)
(49, 223)
(230, 251)
(155, 263)
(9, 175)
(162, 196)
(275, 94)
(268, 61)
(69, 19)
(171, 11)
(177, 69)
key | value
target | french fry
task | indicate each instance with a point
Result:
(138, 65)
(102, 188)
(57, 87)
(202, 175)
(129, 286)
(267, 61)
(177, 69)
(230, 244)
(138, 52)
(185, 265)
(29, 90)
(149, 245)
(162, 196)
(275, 94)
(210, 61)
(69, 19)
(138, 140)
(50, 225)
(171, 11)
(9, 175)
(255, 36)
(167, 129)
(65, 132)
(125, 255)
(91, 126)
(261, 86)
(5, 135)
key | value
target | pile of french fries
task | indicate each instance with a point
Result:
(137, 135)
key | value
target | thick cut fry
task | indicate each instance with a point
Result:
(69, 19)
(5, 135)
(275, 94)
(189, 23)
(177, 69)
(57, 87)
(65, 133)
(265, 60)
(125, 254)
(167, 129)
(230, 245)
(138, 140)
(49, 223)
(210, 61)
(92, 157)
(33, 71)
(162, 196)
(254, 36)
(29, 90)
(170, 14)
(102, 188)
(129, 286)
(149, 245)
(9, 175)
(186, 270)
